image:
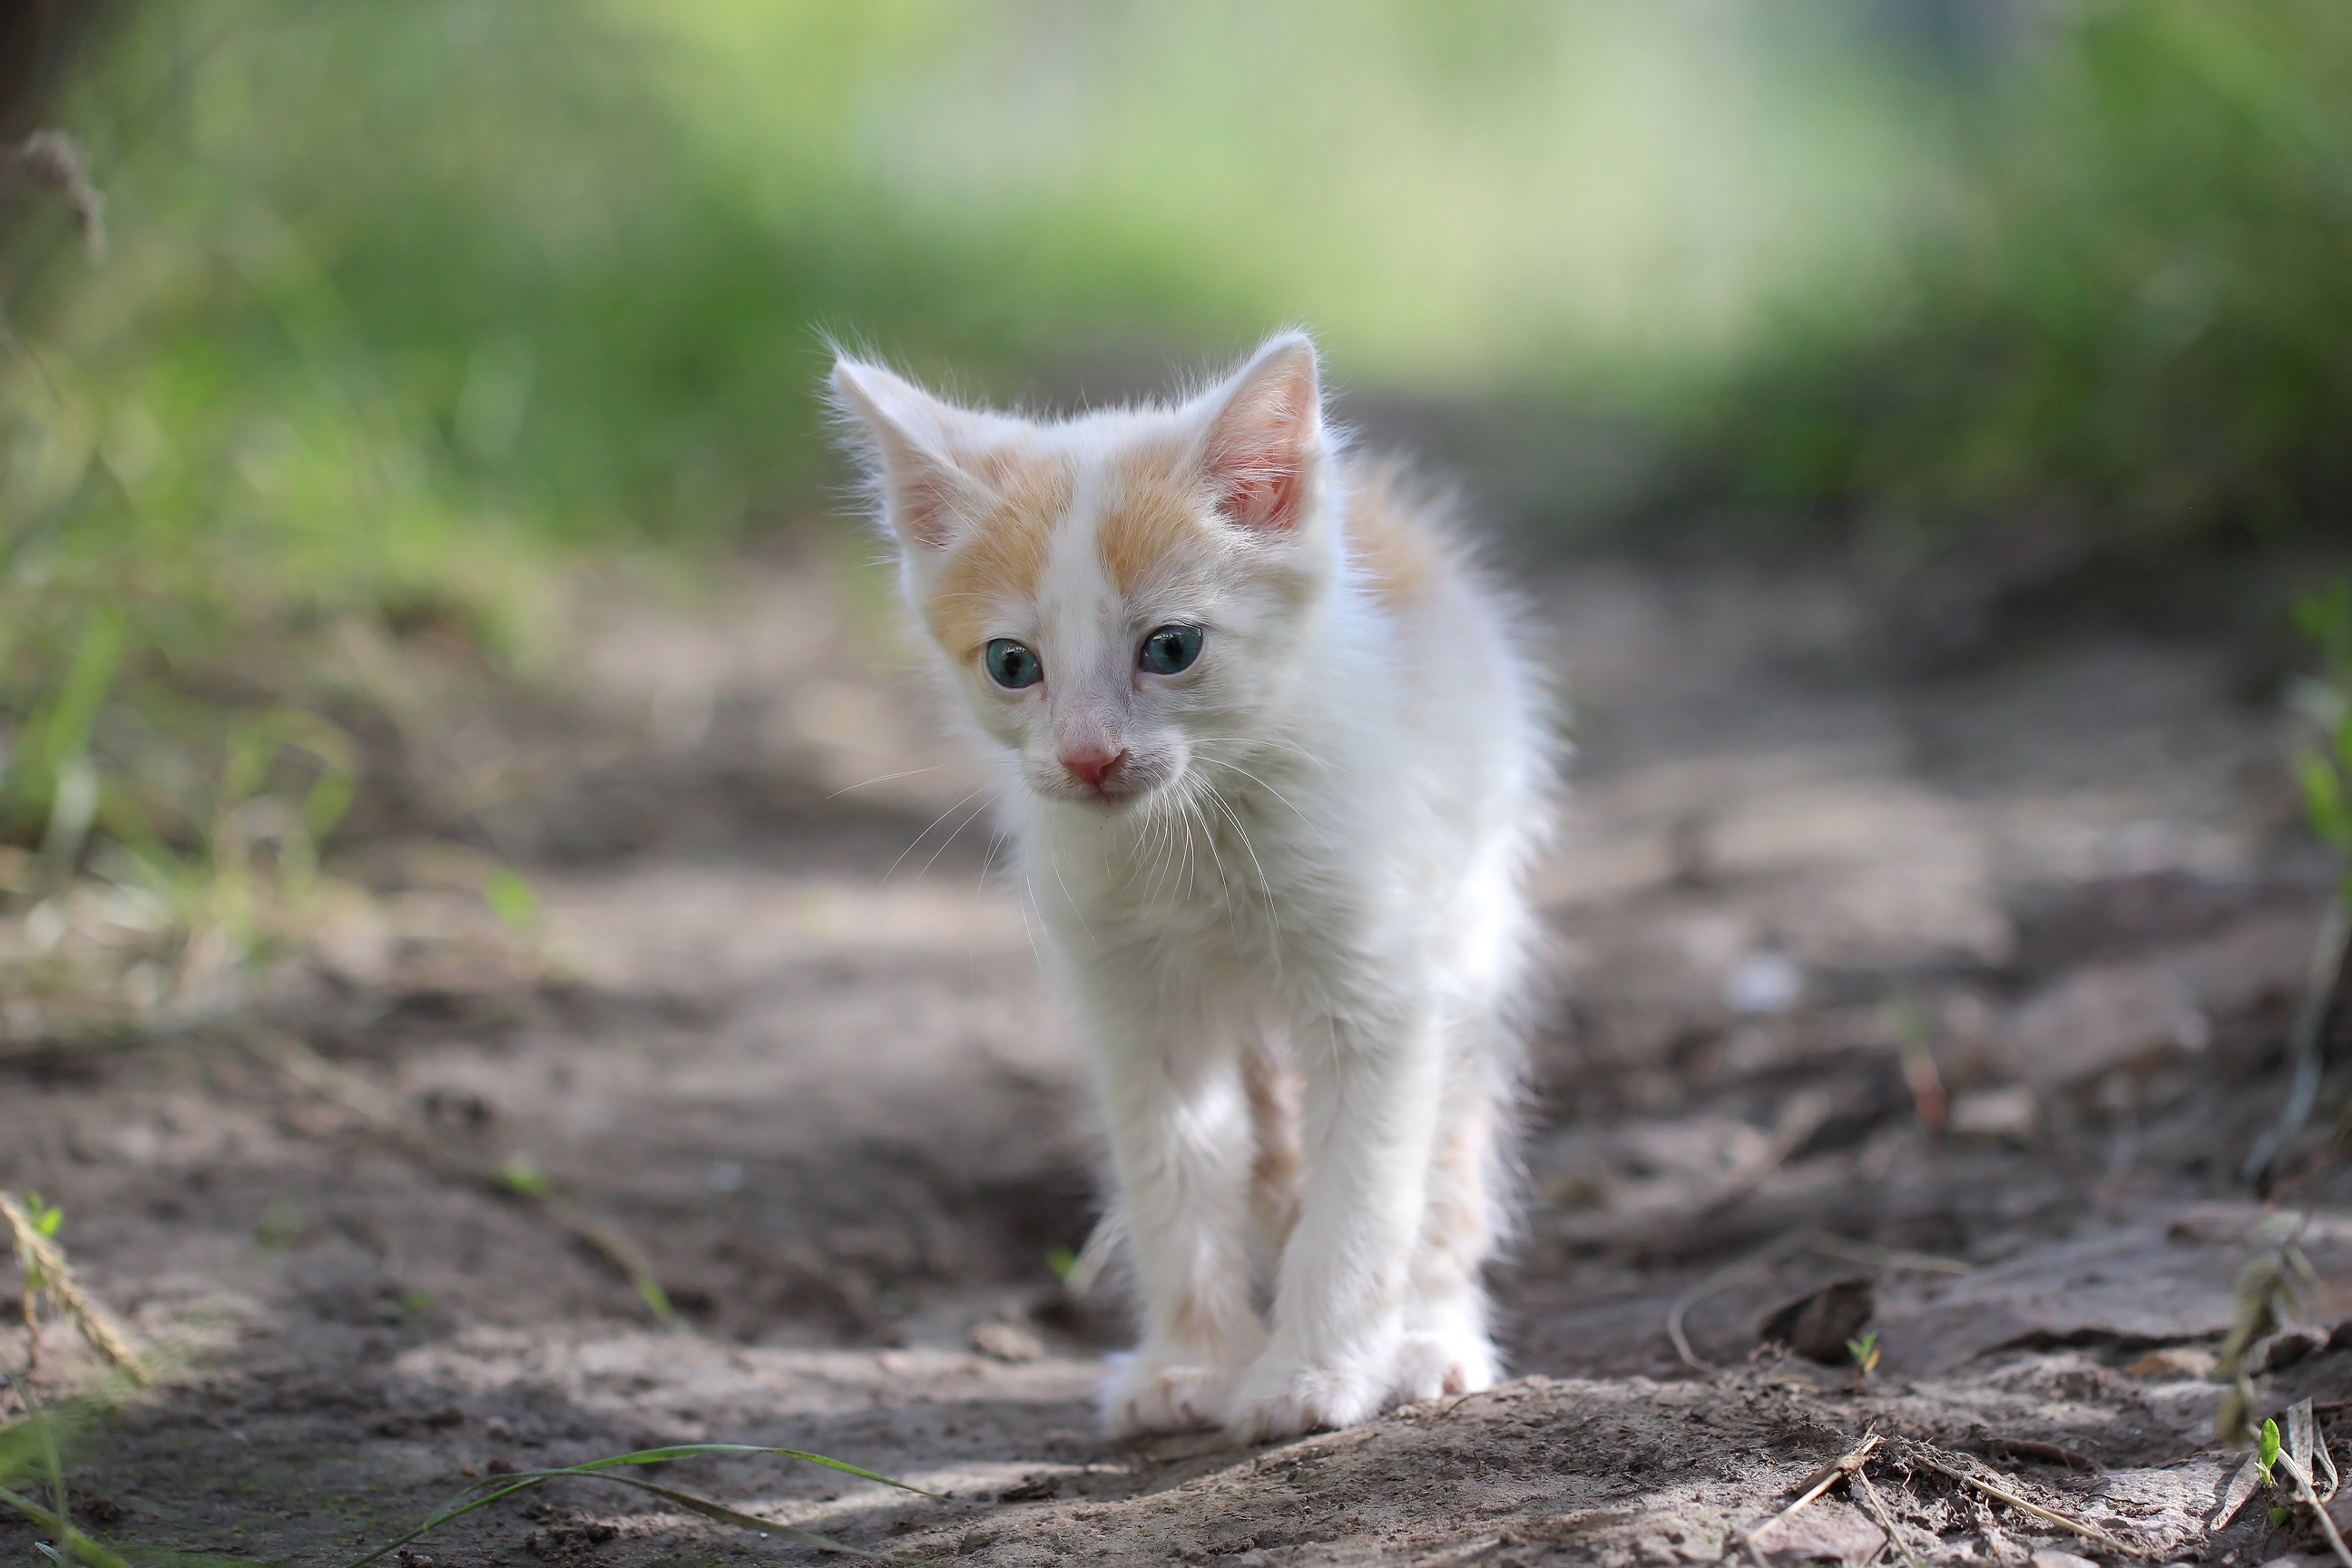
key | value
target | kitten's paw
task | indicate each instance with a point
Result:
(1433, 1363)
(1281, 1396)
(1146, 1394)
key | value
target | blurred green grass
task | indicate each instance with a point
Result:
(2133, 320)
(410, 305)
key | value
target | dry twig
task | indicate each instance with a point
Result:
(44, 1261)
(2269, 1287)
(1800, 1118)
(1102, 1245)
(2328, 952)
(1884, 1516)
(2237, 1495)
(1894, 1257)
(2310, 1499)
(1922, 1454)
(2304, 1452)
(1846, 1464)
(1721, 1279)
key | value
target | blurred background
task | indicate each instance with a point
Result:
(449, 708)
(408, 310)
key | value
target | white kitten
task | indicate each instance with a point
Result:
(1276, 764)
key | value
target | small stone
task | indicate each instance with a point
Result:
(1007, 1343)
(2007, 1112)
(2051, 1557)
(1762, 984)
(1820, 1534)
(2174, 1361)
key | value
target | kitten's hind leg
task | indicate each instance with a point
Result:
(1277, 1166)
(1180, 1138)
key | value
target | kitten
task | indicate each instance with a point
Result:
(1275, 764)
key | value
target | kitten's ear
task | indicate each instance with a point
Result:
(923, 490)
(1265, 434)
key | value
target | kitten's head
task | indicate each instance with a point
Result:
(1121, 597)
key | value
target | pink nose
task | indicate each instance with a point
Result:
(1093, 764)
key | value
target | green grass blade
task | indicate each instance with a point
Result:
(691, 1450)
(448, 1511)
(78, 1546)
(718, 1510)
(49, 1454)
(657, 1302)
(493, 1487)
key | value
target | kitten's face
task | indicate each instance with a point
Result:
(1118, 597)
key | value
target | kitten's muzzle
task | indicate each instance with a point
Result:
(1097, 766)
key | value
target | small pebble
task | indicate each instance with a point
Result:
(1007, 1343)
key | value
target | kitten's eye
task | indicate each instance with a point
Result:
(1012, 666)
(1169, 650)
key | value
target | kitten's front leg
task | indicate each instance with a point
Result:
(1339, 1308)
(1180, 1141)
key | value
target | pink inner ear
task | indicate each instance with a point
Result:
(925, 488)
(1258, 453)
(1261, 494)
(924, 496)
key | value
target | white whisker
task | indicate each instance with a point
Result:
(1245, 746)
(996, 841)
(981, 811)
(884, 778)
(1273, 917)
(926, 833)
(1277, 794)
(1054, 860)
(1224, 882)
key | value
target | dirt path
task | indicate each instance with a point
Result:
(794, 1043)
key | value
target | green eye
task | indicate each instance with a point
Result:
(1012, 666)
(1169, 650)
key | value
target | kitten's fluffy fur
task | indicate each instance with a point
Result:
(1282, 883)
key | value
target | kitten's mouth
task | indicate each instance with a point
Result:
(1111, 795)
(1115, 793)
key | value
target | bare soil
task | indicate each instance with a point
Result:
(789, 1037)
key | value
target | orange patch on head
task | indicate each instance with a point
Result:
(1149, 512)
(1000, 556)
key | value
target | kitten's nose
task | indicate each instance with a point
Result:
(1091, 764)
